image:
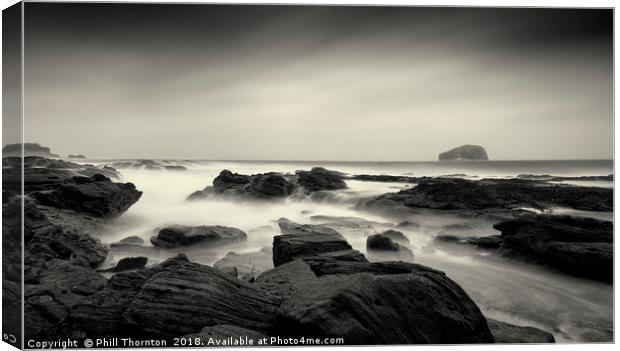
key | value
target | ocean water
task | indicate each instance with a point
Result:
(573, 309)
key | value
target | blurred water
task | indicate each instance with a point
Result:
(572, 309)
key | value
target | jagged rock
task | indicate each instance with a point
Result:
(49, 298)
(574, 245)
(465, 153)
(180, 235)
(319, 178)
(226, 180)
(269, 185)
(96, 196)
(127, 263)
(506, 333)
(47, 239)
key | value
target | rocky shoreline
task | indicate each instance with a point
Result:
(311, 282)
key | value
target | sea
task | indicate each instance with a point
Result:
(572, 309)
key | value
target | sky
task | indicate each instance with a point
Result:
(317, 83)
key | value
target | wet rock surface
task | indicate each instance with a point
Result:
(577, 246)
(303, 240)
(271, 185)
(62, 214)
(174, 298)
(489, 194)
(180, 235)
(574, 245)
(96, 195)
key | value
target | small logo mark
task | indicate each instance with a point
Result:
(9, 337)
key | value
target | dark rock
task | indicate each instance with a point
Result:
(505, 333)
(574, 245)
(305, 240)
(30, 149)
(180, 235)
(174, 298)
(247, 265)
(269, 186)
(319, 178)
(128, 241)
(465, 153)
(48, 237)
(128, 263)
(76, 156)
(96, 196)
(488, 194)
(386, 178)
(229, 270)
(547, 177)
(365, 303)
(58, 289)
(395, 235)
(381, 242)
(228, 181)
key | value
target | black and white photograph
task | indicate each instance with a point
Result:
(214, 174)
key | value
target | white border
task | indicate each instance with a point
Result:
(480, 3)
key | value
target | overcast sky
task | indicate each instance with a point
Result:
(317, 83)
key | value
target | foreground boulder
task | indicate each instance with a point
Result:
(507, 333)
(373, 303)
(180, 235)
(327, 291)
(96, 195)
(574, 245)
(174, 298)
(465, 153)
